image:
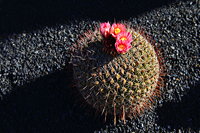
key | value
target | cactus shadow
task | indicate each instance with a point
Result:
(97, 58)
(19, 15)
(93, 52)
(47, 104)
(184, 114)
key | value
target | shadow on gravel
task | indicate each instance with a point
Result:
(185, 114)
(46, 105)
(19, 15)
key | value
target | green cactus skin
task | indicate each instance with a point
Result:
(121, 85)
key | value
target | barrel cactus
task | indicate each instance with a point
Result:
(118, 80)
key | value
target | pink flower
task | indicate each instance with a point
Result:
(105, 29)
(125, 37)
(117, 29)
(122, 46)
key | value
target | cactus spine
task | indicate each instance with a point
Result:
(121, 85)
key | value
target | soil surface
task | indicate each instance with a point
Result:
(36, 87)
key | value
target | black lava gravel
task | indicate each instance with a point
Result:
(35, 79)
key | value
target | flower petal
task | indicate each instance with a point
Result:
(105, 29)
(125, 36)
(122, 46)
(117, 29)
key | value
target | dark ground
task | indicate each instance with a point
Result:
(35, 79)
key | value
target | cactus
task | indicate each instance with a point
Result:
(123, 85)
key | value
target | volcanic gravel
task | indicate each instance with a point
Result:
(35, 79)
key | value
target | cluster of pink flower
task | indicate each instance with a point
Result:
(117, 31)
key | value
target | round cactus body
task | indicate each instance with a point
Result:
(122, 85)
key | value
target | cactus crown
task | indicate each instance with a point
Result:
(121, 82)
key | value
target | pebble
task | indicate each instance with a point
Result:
(25, 57)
